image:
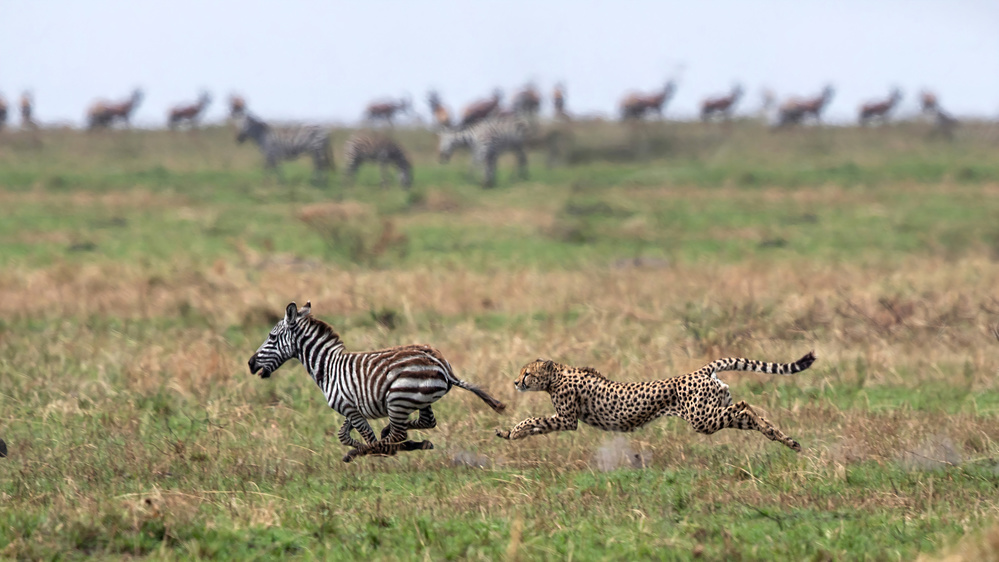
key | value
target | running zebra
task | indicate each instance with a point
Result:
(277, 144)
(364, 386)
(487, 140)
(362, 147)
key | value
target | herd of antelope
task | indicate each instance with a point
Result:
(633, 107)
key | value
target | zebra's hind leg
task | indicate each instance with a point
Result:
(394, 439)
(425, 421)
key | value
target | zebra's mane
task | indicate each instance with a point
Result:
(323, 328)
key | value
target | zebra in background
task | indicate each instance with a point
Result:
(277, 144)
(488, 140)
(362, 386)
(362, 147)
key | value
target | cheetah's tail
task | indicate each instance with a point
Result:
(493, 403)
(742, 364)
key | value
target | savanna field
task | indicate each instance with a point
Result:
(139, 270)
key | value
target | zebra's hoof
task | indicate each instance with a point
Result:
(426, 445)
(3, 449)
(350, 456)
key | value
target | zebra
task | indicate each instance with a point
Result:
(362, 386)
(487, 140)
(288, 144)
(362, 147)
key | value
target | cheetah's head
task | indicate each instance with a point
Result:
(536, 375)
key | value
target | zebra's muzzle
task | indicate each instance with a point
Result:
(254, 367)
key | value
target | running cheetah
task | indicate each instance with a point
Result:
(698, 397)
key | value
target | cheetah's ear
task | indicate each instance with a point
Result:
(549, 366)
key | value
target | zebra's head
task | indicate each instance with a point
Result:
(281, 343)
(450, 139)
(251, 128)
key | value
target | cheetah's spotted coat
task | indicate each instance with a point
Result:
(700, 397)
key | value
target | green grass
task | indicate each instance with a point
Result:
(140, 269)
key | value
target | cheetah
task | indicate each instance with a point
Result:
(700, 397)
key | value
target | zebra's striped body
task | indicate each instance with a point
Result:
(391, 383)
(364, 147)
(488, 140)
(289, 143)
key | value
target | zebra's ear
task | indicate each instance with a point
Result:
(291, 313)
(305, 310)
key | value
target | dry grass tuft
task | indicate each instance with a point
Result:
(353, 228)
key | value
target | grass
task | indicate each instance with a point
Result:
(140, 269)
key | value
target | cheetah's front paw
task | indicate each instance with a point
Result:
(502, 434)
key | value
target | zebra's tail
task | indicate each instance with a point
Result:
(741, 364)
(493, 403)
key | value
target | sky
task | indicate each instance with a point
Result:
(325, 61)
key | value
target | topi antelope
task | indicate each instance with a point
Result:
(527, 101)
(794, 111)
(237, 106)
(721, 105)
(879, 109)
(442, 118)
(635, 106)
(190, 112)
(479, 110)
(386, 110)
(102, 114)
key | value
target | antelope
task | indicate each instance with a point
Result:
(943, 122)
(795, 111)
(928, 101)
(441, 115)
(386, 110)
(722, 105)
(237, 106)
(190, 113)
(558, 100)
(479, 110)
(881, 109)
(527, 101)
(635, 106)
(103, 113)
(26, 120)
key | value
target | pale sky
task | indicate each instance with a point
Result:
(324, 61)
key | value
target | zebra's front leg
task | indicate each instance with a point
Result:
(394, 441)
(383, 168)
(521, 162)
(344, 435)
(362, 426)
(490, 171)
(539, 426)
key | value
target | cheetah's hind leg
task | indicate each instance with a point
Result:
(742, 416)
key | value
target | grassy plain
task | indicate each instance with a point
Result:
(140, 269)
